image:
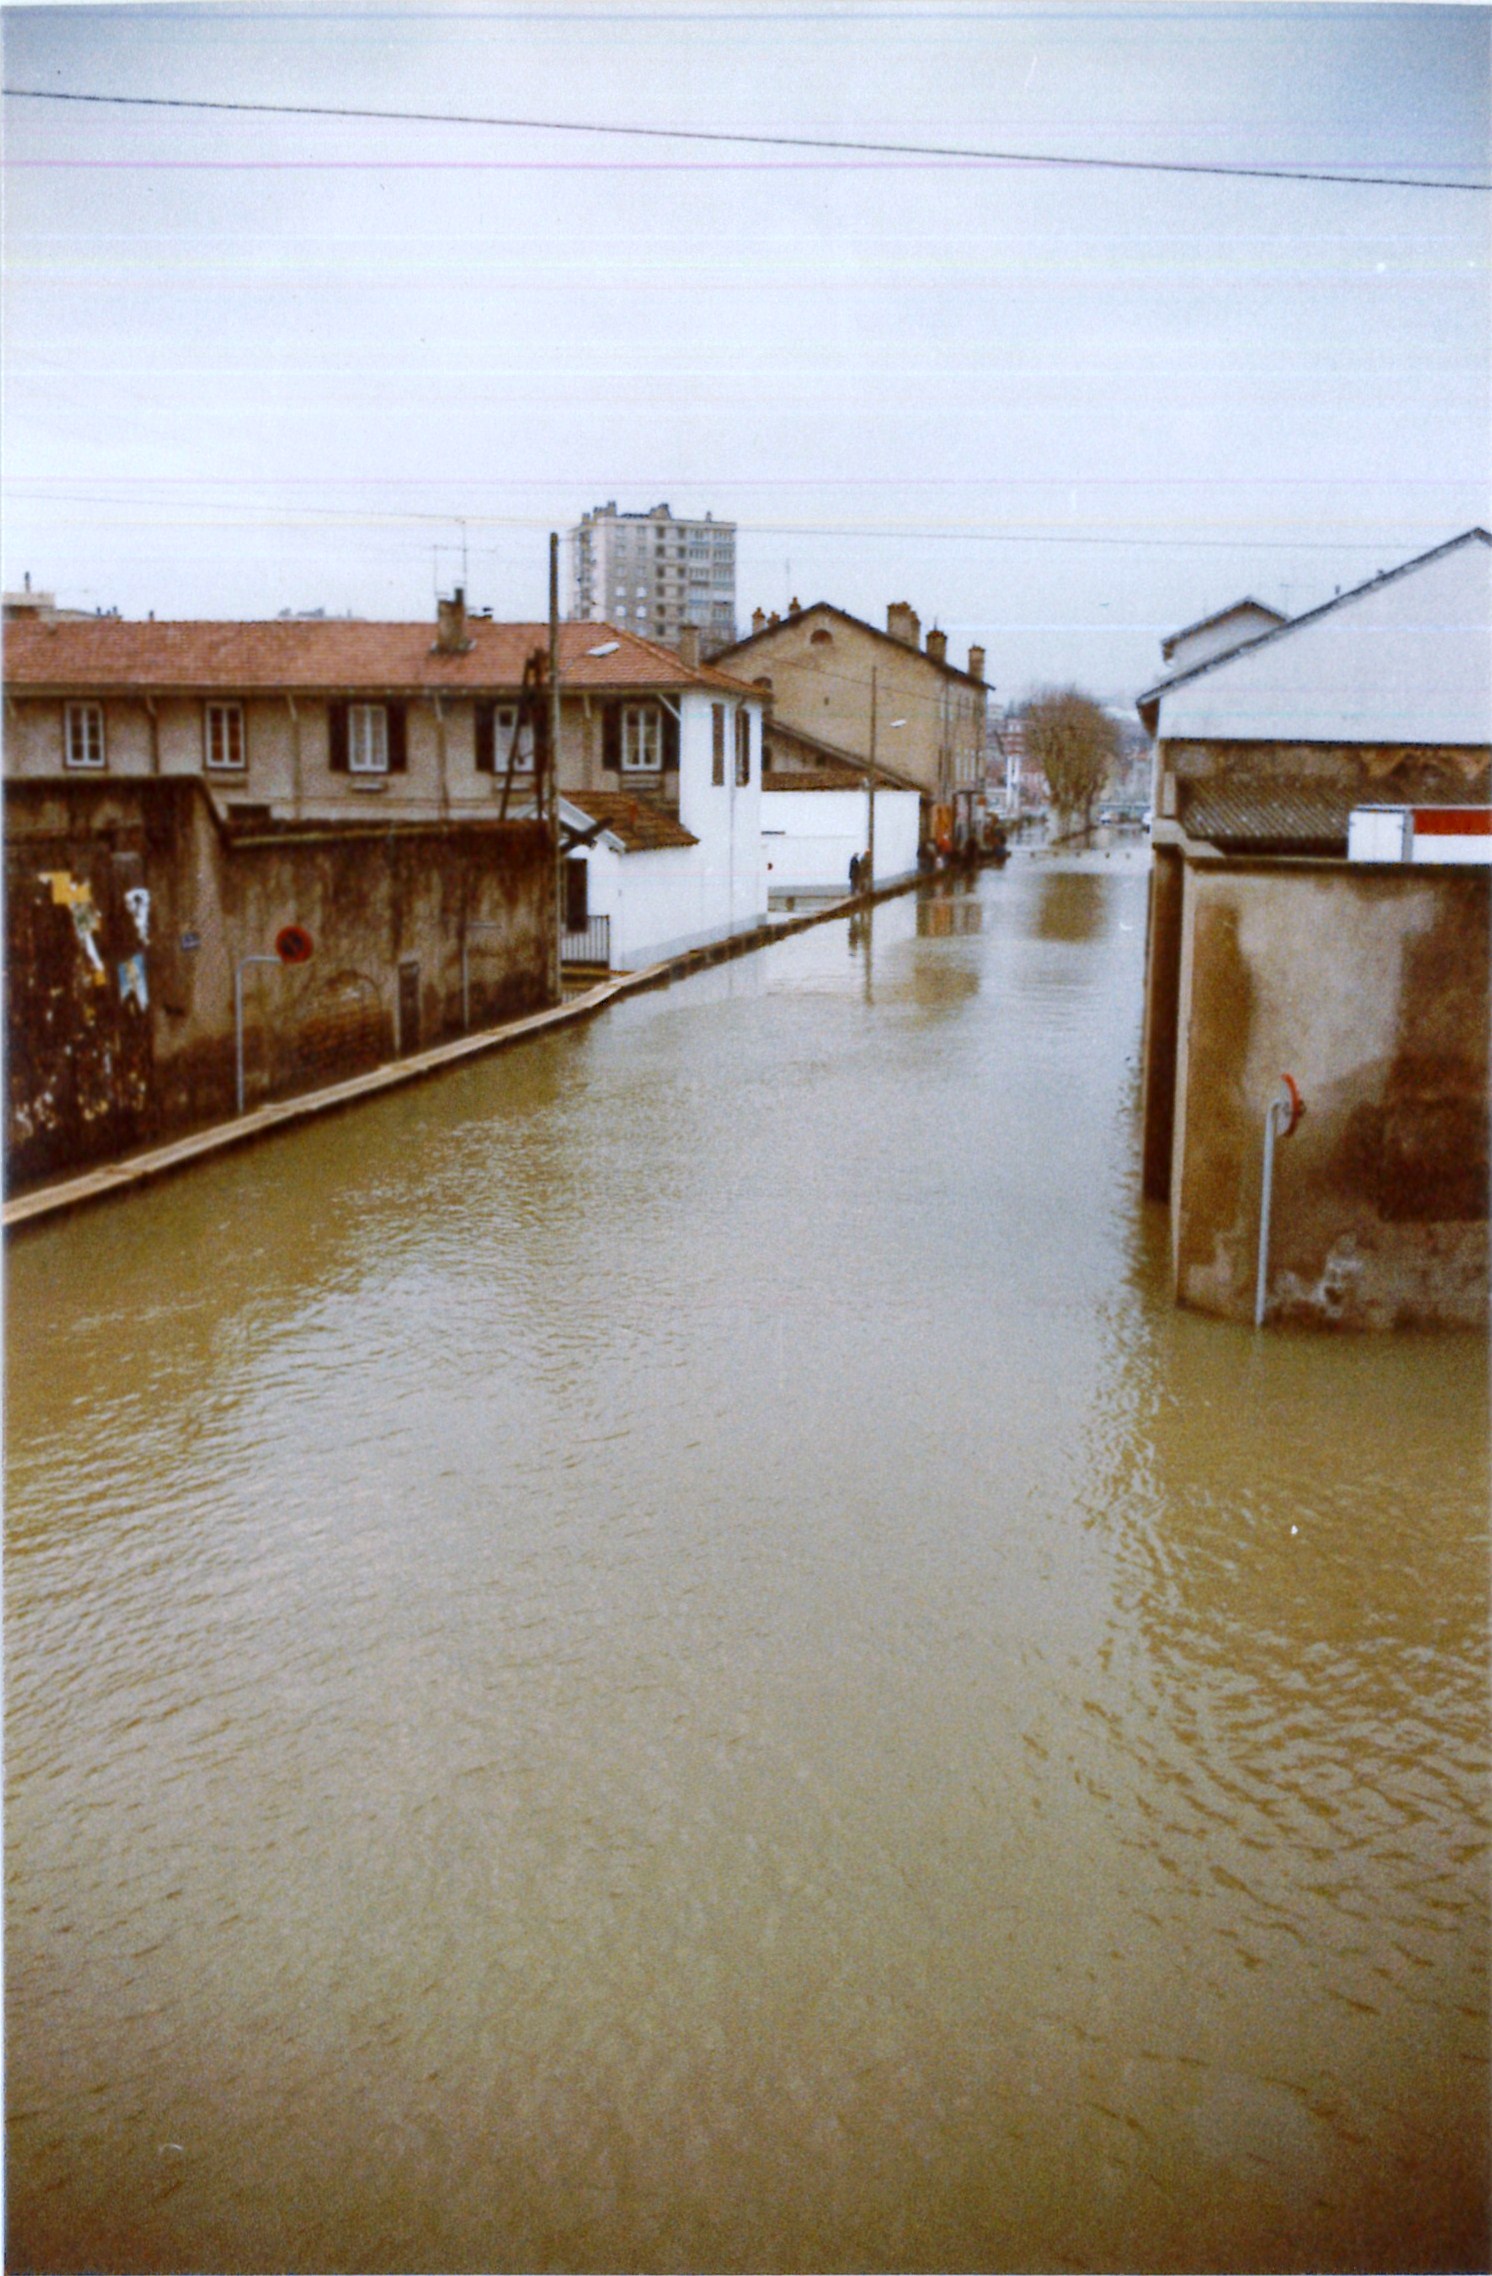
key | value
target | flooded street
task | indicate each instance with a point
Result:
(663, 1653)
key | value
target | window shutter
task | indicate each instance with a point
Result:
(486, 739)
(336, 737)
(611, 737)
(670, 738)
(398, 746)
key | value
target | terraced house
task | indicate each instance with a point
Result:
(177, 794)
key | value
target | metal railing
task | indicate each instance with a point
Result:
(589, 943)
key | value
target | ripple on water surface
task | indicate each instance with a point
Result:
(664, 1653)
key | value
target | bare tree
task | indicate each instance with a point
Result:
(1076, 743)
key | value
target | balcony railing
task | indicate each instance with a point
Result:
(589, 943)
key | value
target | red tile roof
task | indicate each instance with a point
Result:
(641, 826)
(816, 778)
(330, 655)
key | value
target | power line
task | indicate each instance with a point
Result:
(755, 141)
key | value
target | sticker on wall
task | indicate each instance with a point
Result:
(132, 988)
(137, 901)
(76, 895)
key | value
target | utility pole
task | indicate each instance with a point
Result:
(870, 786)
(554, 755)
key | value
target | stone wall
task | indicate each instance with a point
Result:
(1370, 986)
(129, 905)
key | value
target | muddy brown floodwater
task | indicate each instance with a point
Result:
(664, 1654)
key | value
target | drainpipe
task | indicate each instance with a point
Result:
(297, 788)
(440, 754)
(155, 734)
(239, 970)
(1281, 1115)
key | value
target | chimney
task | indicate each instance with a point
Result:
(689, 645)
(774, 618)
(937, 646)
(794, 606)
(976, 663)
(450, 625)
(903, 623)
(758, 620)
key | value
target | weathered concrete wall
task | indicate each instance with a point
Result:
(120, 1017)
(1374, 773)
(1370, 985)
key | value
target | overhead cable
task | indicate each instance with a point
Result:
(1033, 158)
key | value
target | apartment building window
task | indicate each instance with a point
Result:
(226, 745)
(743, 747)
(366, 738)
(84, 745)
(717, 743)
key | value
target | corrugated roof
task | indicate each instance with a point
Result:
(1256, 816)
(332, 654)
(641, 826)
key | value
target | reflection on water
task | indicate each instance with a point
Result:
(1070, 905)
(946, 906)
(664, 1653)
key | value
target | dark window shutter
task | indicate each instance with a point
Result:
(670, 738)
(336, 737)
(398, 744)
(486, 739)
(611, 737)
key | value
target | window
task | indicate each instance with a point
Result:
(717, 746)
(642, 739)
(499, 746)
(85, 735)
(226, 748)
(743, 747)
(367, 739)
(820, 639)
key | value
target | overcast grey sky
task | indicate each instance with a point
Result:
(261, 363)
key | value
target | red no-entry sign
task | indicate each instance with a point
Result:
(294, 945)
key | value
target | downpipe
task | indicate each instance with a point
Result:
(1280, 1117)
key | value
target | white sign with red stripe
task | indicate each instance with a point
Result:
(1420, 833)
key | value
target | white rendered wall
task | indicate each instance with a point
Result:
(680, 896)
(808, 837)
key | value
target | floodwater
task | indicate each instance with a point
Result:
(664, 1654)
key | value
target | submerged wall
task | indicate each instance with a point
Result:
(1370, 986)
(129, 905)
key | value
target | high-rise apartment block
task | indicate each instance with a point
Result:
(655, 575)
